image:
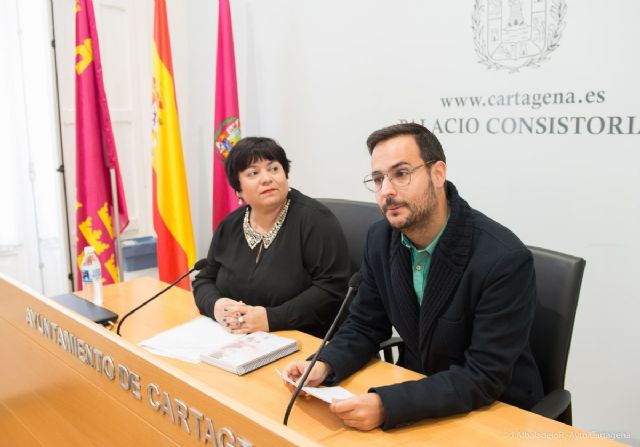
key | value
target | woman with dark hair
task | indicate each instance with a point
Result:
(281, 261)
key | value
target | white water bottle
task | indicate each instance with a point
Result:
(91, 276)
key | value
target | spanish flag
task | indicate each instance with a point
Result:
(171, 212)
(95, 152)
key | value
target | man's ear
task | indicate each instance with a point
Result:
(439, 174)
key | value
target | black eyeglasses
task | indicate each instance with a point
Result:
(400, 177)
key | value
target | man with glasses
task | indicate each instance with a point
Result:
(458, 287)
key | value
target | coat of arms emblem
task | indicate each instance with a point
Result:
(227, 135)
(514, 34)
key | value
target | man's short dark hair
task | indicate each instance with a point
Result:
(430, 147)
(249, 150)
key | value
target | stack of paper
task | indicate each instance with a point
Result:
(189, 340)
(250, 352)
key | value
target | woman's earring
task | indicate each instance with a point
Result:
(240, 200)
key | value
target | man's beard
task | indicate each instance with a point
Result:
(420, 213)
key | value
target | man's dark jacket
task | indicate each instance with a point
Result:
(471, 333)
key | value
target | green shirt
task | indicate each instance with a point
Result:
(421, 261)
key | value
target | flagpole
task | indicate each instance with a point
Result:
(60, 169)
(116, 224)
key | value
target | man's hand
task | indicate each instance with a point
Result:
(364, 411)
(295, 370)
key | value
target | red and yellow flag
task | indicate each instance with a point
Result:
(95, 152)
(171, 212)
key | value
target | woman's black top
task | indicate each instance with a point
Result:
(300, 279)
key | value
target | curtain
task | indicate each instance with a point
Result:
(33, 247)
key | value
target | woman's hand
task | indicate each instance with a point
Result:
(225, 307)
(239, 318)
(250, 319)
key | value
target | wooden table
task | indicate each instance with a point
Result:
(48, 396)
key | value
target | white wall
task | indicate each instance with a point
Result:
(319, 76)
(197, 139)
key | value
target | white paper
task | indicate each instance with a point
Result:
(326, 393)
(189, 340)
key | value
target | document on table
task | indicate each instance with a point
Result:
(189, 340)
(325, 393)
